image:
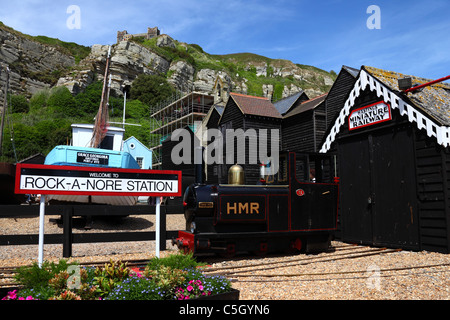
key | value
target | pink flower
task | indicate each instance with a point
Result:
(136, 272)
(200, 287)
(11, 295)
(190, 288)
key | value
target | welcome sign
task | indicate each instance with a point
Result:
(79, 180)
(369, 115)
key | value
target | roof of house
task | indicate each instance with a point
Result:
(428, 108)
(434, 100)
(284, 105)
(133, 138)
(354, 72)
(307, 105)
(255, 105)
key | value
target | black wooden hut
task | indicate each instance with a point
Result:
(211, 121)
(304, 125)
(339, 92)
(187, 166)
(394, 156)
(247, 112)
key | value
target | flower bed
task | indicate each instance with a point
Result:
(176, 277)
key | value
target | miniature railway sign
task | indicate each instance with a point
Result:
(83, 180)
(369, 115)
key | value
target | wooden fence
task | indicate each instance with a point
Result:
(67, 238)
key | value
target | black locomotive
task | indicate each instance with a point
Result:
(288, 211)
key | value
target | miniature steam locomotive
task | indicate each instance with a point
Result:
(286, 212)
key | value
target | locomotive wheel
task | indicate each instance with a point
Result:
(295, 246)
(262, 250)
(230, 251)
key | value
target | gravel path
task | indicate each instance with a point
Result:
(369, 278)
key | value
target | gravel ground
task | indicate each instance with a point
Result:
(369, 280)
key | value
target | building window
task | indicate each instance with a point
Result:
(140, 161)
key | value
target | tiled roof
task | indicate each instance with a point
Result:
(307, 105)
(255, 105)
(285, 104)
(433, 100)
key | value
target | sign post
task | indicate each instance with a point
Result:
(84, 180)
(41, 230)
(158, 226)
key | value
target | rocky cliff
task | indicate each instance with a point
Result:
(33, 65)
(187, 67)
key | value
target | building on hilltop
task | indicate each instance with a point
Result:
(125, 36)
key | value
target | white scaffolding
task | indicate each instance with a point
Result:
(181, 112)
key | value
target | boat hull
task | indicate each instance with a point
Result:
(91, 157)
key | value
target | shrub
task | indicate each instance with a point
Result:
(109, 276)
(62, 102)
(19, 104)
(173, 277)
(166, 277)
(36, 277)
(175, 261)
(151, 89)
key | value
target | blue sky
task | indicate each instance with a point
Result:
(414, 37)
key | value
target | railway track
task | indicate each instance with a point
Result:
(251, 272)
(247, 273)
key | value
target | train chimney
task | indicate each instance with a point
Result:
(236, 175)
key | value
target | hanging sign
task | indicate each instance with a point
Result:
(92, 158)
(369, 115)
(80, 180)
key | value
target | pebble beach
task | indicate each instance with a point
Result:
(403, 275)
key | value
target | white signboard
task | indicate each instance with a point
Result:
(369, 115)
(46, 179)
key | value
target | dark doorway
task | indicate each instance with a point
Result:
(378, 188)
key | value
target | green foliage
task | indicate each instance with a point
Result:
(89, 100)
(170, 54)
(166, 277)
(150, 89)
(19, 104)
(107, 277)
(39, 101)
(135, 109)
(34, 276)
(175, 261)
(163, 279)
(79, 52)
(62, 103)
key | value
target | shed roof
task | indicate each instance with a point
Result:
(307, 105)
(284, 105)
(428, 109)
(255, 105)
(433, 100)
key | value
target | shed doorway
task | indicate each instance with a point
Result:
(378, 188)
